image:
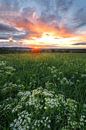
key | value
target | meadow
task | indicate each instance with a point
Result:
(45, 91)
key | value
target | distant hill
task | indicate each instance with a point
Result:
(14, 49)
(25, 49)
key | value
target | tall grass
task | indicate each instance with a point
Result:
(63, 74)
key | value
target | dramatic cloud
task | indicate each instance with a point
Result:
(82, 43)
(43, 21)
(80, 18)
(7, 28)
(7, 31)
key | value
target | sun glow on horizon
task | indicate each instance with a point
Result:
(50, 40)
(41, 34)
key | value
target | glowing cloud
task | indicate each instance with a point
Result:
(51, 23)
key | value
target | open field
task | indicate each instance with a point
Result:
(45, 91)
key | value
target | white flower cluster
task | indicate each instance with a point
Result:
(10, 90)
(53, 71)
(83, 117)
(23, 122)
(64, 81)
(41, 109)
(6, 70)
(38, 109)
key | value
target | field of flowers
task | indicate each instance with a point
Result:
(43, 91)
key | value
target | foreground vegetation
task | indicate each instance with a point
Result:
(43, 91)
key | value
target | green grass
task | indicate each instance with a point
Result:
(61, 73)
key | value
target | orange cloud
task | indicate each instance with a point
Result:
(48, 35)
(38, 28)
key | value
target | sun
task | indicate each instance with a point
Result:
(36, 49)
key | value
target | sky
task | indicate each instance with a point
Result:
(43, 23)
